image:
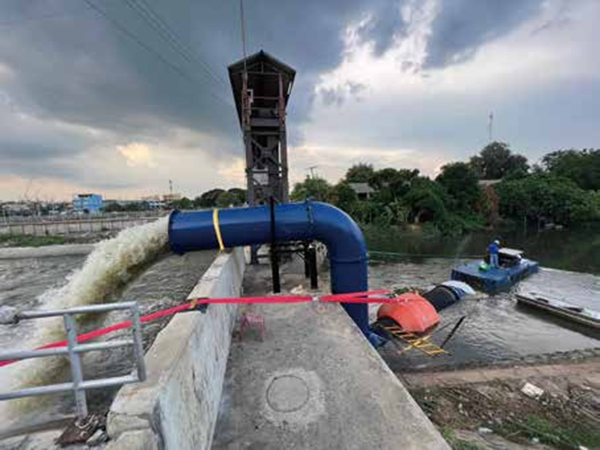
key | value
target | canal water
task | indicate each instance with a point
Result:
(135, 266)
(496, 328)
(576, 250)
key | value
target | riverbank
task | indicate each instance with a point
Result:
(497, 407)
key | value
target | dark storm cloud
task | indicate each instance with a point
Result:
(462, 26)
(68, 64)
(79, 68)
(382, 27)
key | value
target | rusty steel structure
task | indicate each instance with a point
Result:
(261, 88)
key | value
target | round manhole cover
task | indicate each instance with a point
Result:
(287, 393)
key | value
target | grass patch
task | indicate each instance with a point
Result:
(560, 436)
(457, 443)
(22, 240)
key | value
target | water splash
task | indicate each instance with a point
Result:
(111, 265)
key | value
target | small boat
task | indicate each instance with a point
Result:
(574, 313)
(512, 269)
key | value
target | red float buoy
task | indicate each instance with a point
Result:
(412, 313)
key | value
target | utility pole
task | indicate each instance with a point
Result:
(311, 169)
(491, 128)
(171, 187)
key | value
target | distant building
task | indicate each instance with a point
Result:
(17, 209)
(174, 197)
(363, 190)
(87, 203)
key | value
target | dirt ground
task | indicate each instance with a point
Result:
(486, 408)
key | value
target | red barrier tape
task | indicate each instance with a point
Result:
(378, 296)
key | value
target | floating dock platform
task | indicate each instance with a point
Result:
(562, 309)
(495, 279)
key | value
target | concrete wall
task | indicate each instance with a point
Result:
(84, 225)
(176, 408)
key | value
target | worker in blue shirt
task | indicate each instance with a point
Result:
(493, 249)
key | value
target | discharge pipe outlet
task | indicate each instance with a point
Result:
(306, 221)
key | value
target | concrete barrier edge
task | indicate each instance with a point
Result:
(177, 407)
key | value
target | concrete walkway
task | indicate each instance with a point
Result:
(314, 383)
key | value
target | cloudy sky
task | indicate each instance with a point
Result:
(119, 96)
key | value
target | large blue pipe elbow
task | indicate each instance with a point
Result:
(345, 243)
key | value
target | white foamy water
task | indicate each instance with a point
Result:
(111, 265)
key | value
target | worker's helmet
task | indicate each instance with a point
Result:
(497, 242)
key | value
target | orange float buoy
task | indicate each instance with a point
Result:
(412, 313)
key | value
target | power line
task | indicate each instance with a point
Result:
(149, 49)
(243, 25)
(195, 55)
(49, 16)
(157, 22)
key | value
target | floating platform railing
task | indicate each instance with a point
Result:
(74, 350)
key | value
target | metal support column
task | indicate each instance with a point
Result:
(274, 254)
(76, 372)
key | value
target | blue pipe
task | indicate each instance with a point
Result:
(345, 243)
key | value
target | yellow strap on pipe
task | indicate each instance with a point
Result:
(218, 229)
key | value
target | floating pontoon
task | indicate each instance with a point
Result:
(565, 310)
(513, 268)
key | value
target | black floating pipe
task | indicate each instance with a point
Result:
(306, 221)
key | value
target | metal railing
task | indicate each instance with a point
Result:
(74, 351)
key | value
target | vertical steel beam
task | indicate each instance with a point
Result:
(76, 372)
(274, 254)
(283, 144)
(138, 347)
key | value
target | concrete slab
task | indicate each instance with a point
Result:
(315, 382)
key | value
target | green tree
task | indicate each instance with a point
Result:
(360, 173)
(226, 199)
(343, 196)
(239, 196)
(425, 200)
(113, 207)
(496, 161)
(581, 167)
(461, 183)
(396, 181)
(208, 199)
(314, 188)
(184, 203)
(548, 198)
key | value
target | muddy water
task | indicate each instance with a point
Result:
(496, 328)
(29, 283)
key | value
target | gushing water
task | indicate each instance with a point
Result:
(111, 265)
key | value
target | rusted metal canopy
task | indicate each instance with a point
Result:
(263, 78)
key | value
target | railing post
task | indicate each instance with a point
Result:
(138, 347)
(76, 372)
